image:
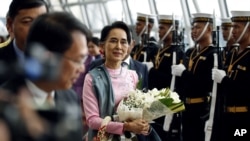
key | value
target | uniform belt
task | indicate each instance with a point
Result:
(236, 109)
(189, 100)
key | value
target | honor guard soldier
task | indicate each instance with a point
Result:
(227, 28)
(147, 48)
(160, 75)
(234, 82)
(195, 76)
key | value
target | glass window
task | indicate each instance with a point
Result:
(191, 6)
(57, 8)
(76, 11)
(90, 0)
(204, 6)
(115, 11)
(96, 16)
(169, 7)
(4, 7)
(55, 2)
(138, 6)
(73, 1)
(240, 5)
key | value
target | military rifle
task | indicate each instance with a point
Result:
(209, 123)
(181, 39)
(169, 118)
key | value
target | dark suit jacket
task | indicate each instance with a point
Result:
(8, 54)
(95, 63)
(8, 57)
(141, 70)
(67, 109)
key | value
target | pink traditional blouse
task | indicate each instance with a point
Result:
(123, 81)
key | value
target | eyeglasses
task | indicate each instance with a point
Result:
(123, 42)
(77, 62)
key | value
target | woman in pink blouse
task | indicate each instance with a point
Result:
(105, 86)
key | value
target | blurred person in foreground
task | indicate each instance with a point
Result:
(20, 16)
(93, 54)
(78, 86)
(106, 85)
(69, 44)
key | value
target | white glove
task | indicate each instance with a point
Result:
(218, 75)
(177, 70)
(148, 64)
(167, 122)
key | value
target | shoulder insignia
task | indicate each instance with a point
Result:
(4, 44)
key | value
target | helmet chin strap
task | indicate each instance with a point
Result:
(243, 32)
(144, 28)
(202, 33)
(230, 33)
(166, 34)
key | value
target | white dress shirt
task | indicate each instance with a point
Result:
(127, 61)
(38, 94)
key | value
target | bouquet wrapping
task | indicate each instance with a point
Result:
(150, 105)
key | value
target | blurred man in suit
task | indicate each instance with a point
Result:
(69, 43)
(19, 18)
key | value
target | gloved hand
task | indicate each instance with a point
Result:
(177, 70)
(148, 64)
(218, 75)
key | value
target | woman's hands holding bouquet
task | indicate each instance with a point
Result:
(137, 126)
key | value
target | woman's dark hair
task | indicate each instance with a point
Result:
(17, 5)
(53, 31)
(118, 24)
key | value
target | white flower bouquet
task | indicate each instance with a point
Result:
(149, 106)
